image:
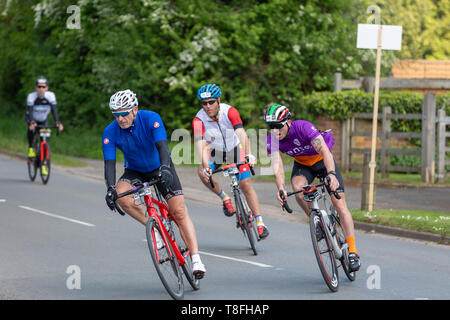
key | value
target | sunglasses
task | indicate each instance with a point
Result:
(42, 87)
(210, 102)
(276, 126)
(123, 113)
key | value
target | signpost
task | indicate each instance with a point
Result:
(377, 36)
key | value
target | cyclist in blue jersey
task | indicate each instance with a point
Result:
(141, 136)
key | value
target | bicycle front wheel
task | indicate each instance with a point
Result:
(245, 219)
(45, 163)
(165, 262)
(32, 168)
(323, 250)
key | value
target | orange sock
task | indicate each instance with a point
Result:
(351, 244)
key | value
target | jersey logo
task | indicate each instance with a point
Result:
(156, 124)
(296, 142)
(106, 141)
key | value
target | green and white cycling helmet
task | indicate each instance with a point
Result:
(277, 115)
(123, 100)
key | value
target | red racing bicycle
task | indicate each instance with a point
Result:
(169, 252)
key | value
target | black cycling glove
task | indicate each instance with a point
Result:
(111, 197)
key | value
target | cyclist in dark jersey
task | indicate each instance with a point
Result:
(311, 150)
(141, 136)
(39, 105)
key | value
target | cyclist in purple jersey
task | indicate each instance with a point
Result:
(311, 150)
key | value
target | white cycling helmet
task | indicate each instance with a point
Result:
(123, 100)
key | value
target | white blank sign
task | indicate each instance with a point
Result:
(391, 37)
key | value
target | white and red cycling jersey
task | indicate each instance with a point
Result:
(219, 133)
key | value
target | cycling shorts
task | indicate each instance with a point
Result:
(316, 170)
(135, 177)
(217, 159)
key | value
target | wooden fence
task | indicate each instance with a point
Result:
(443, 122)
(427, 136)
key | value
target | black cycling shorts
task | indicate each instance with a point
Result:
(135, 177)
(316, 170)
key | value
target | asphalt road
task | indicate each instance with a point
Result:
(53, 234)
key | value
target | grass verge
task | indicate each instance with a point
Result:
(416, 220)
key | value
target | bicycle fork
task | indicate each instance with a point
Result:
(329, 229)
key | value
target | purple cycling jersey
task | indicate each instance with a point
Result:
(297, 144)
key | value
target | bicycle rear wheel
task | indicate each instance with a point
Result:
(324, 252)
(245, 219)
(187, 267)
(351, 275)
(165, 262)
(45, 163)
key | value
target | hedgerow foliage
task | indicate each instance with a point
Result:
(257, 51)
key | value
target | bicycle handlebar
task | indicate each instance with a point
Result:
(47, 127)
(220, 169)
(134, 190)
(305, 188)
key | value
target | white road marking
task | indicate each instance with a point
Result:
(262, 265)
(2, 200)
(57, 216)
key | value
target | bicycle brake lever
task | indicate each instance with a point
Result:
(285, 205)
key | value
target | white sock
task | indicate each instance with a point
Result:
(195, 258)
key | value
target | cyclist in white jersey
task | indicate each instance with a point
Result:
(39, 105)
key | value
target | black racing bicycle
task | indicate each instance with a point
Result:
(245, 220)
(327, 235)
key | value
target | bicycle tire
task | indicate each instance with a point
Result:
(32, 168)
(46, 162)
(166, 264)
(187, 267)
(328, 268)
(351, 275)
(245, 222)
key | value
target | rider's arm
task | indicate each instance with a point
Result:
(109, 156)
(160, 137)
(238, 127)
(321, 147)
(163, 150)
(243, 138)
(55, 113)
(200, 142)
(110, 173)
(278, 169)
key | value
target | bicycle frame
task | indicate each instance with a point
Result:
(324, 215)
(44, 133)
(152, 213)
(232, 171)
(325, 218)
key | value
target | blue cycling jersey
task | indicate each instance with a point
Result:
(136, 142)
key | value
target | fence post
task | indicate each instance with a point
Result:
(385, 141)
(366, 183)
(337, 82)
(345, 146)
(428, 137)
(441, 147)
